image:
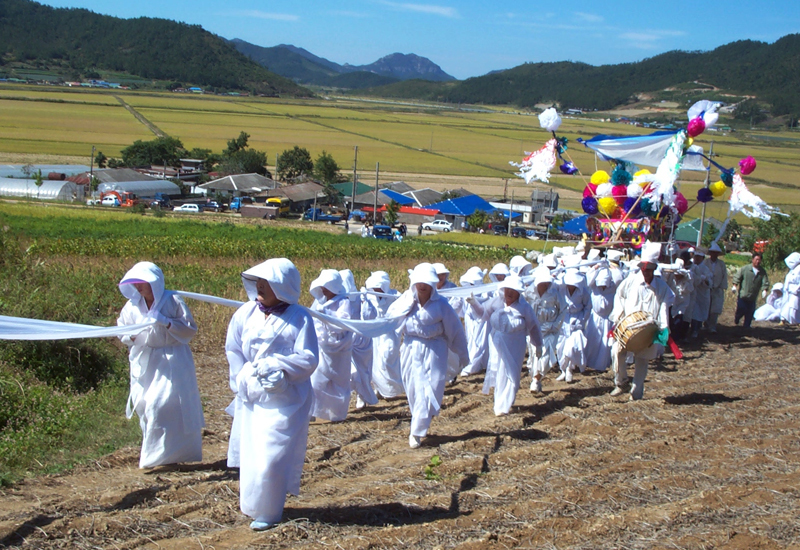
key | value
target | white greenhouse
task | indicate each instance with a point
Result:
(50, 190)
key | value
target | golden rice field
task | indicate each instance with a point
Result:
(404, 139)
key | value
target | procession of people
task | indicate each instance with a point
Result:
(577, 309)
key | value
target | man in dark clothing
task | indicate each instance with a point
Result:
(746, 284)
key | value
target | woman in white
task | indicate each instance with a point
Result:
(272, 351)
(543, 296)
(518, 265)
(499, 272)
(429, 330)
(790, 308)
(680, 282)
(702, 279)
(577, 307)
(771, 311)
(598, 342)
(361, 363)
(512, 322)
(164, 390)
(453, 367)
(475, 326)
(386, 375)
(331, 380)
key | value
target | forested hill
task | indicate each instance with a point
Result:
(769, 71)
(78, 41)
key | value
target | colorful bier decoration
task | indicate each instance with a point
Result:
(629, 205)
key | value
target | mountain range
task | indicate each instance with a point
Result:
(306, 68)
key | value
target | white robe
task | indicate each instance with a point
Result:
(572, 341)
(719, 284)
(270, 430)
(510, 327)
(386, 376)
(476, 330)
(429, 332)
(790, 308)
(771, 311)
(331, 380)
(684, 293)
(549, 311)
(361, 365)
(702, 278)
(457, 304)
(598, 342)
(164, 391)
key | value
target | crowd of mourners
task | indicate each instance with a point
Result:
(290, 365)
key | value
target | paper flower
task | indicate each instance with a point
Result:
(550, 120)
(705, 194)
(633, 190)
(718, 188)
(589, 205)
(620, 176)
(747, 165)
(607, 206)
(647, 208)
(601, 176)
(568, 168)
(604, 190)
(620, 193)
(629, 202)
(705, 109)
(696, 127)
(727, 178)
(681, 204)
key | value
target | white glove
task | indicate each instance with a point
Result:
(471, 299)
(274, 382)
(763, 294)
(734, 289)
(265, 366)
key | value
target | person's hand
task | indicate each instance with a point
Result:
(471, 299)
(734, 289)
(274, 382)
(763, 294)
(161, 320)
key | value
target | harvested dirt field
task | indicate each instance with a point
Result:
(709, 459)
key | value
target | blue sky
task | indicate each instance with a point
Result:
(470, 37)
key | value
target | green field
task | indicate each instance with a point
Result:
(403, 138)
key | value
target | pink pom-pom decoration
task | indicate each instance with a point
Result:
(681, 204)
(620, 193)
(587, 192)
(747, 165)
(696, 127)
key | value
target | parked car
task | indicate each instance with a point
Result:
(238, 202)
(213, 206)
(519, 232)
(500, 230)
(188, 208)
(438, 225)
(110, 201)
(383, 232)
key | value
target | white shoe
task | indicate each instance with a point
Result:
(568, 376)
(414, 442)
(561, 376)
(536, 385)
(617, 391)
(360, 402)
(257, 525)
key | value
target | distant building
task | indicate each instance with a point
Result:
(542, 202)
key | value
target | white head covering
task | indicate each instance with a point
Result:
(651, 252)
(792, 260)
(614, 255)
(777, 286)
(330, 279)
(282, 276)
(573, 277)
(424, 273)
(542, 276)
(498, 269)
(593, 254)
(700, 252)
(349, 283)
(550, 261)
(603, 278)
(473, 276)
(571, 261)
(378, 279)
(690, 250)
(143, 272)
(440, 268)
(715, 248)
(581, 246)
(513, 282)
(520, 266)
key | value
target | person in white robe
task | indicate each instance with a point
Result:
(430, 329)
(544, 297)
(386, 375)
(512, 323)
(272, 350)
(618, 272)
(719, 284)
(771, 311)
(577, 307)
(680, 282)
(702, 279)
(331, 379)
(518, 265)
(790, 307)
(475, 326)
(361, 360)
(641, 291)
(163, 387)
(598, 341)
(498, 272)
(457, 303)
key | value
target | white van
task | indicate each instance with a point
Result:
(187, 208)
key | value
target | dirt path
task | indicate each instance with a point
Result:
(709, 459)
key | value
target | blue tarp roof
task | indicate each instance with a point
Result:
(402, 200)
(466, 206)
(575, 226)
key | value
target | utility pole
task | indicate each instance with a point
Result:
(510, 212)
(91, 171)
(375, 202)
(355, 179)
(708, 180)
(276, 166)
(505, 189)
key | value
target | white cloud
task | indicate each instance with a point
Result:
(431, 9)
(589, 17)
(266, 15)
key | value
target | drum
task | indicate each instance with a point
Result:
(636, 331)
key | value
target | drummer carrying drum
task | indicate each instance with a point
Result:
(641, 319)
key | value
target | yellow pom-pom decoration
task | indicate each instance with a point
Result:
(689, 142)
(717, 188)
(601, 176)
(642, 172)
(607, 206)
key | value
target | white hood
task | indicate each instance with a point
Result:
(143, 272)
(330, 279)
(282, 276)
